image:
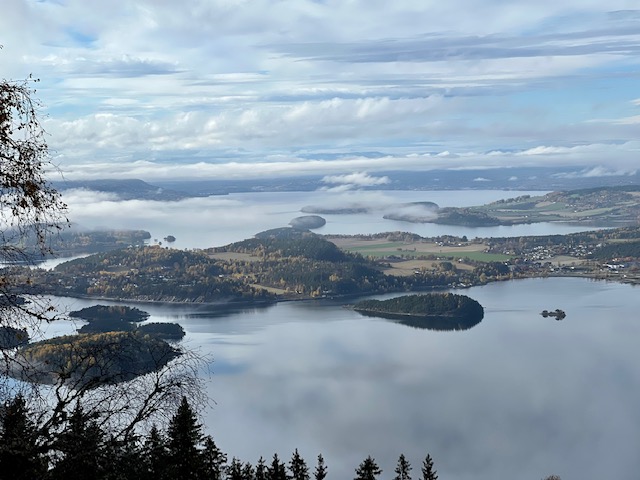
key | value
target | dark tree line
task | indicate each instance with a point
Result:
(80, 447)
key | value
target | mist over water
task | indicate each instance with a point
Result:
(220, 220)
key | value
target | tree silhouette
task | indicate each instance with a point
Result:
(30, 209)
(298, 467)
(213, 459)
(428, 472)
(82, 449)
(248, 472)
(234, 472)
(261, 470)
(155, 455)
(403, 469)
(320, 471)
(19, 450)
(276, 470)
(368, 470)
(183, 437)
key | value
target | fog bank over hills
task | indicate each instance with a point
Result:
(533, 178)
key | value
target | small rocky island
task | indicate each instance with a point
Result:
(307, 222)
(434, 311)
(557, 313)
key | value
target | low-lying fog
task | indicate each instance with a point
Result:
(219, 220)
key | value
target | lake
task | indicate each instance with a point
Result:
(518, 396)
(220, 220)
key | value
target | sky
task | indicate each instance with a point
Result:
(229, 89)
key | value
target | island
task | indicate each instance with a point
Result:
(557, 314)
(117, 318)
(91, 360)
(11, 337)
(110, 313)
(434, 311)
(307, 222)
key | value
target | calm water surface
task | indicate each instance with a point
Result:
(518, 396)
(220, 220)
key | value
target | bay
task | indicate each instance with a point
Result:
(518, 396)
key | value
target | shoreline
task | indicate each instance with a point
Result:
(233, 304)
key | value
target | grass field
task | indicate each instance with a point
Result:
(383, 248)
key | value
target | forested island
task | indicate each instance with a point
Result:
(117, 318)
(307, 222)
(91, 360)
(437, 311)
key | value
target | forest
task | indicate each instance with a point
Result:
(119, 318)
(91, 360)
(80, 448)
(427, 305)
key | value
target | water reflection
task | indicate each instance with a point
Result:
(435, 323)
(516, 397)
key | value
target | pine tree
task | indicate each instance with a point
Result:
(428, 472)
(155, 455)
(368, 470)
(19, 450)
(234, 472)
(321, 470)
(184, 436)
(124, 459)
(298, 467)
(248, 473)
(82, 448)
(277, 469)
(213, 459)
(261, 470)
(403, 469)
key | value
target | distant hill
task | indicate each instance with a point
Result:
(516, 178)
(128, 189)
(602, 206)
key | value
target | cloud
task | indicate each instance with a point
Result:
(242, 165)
(232, 82)
(357, 179)
(599, 171)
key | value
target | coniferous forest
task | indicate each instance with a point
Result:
(80, 448)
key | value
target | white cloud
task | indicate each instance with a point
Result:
(619, 157)
(598, 171)
(360, 179)
(156, 80)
